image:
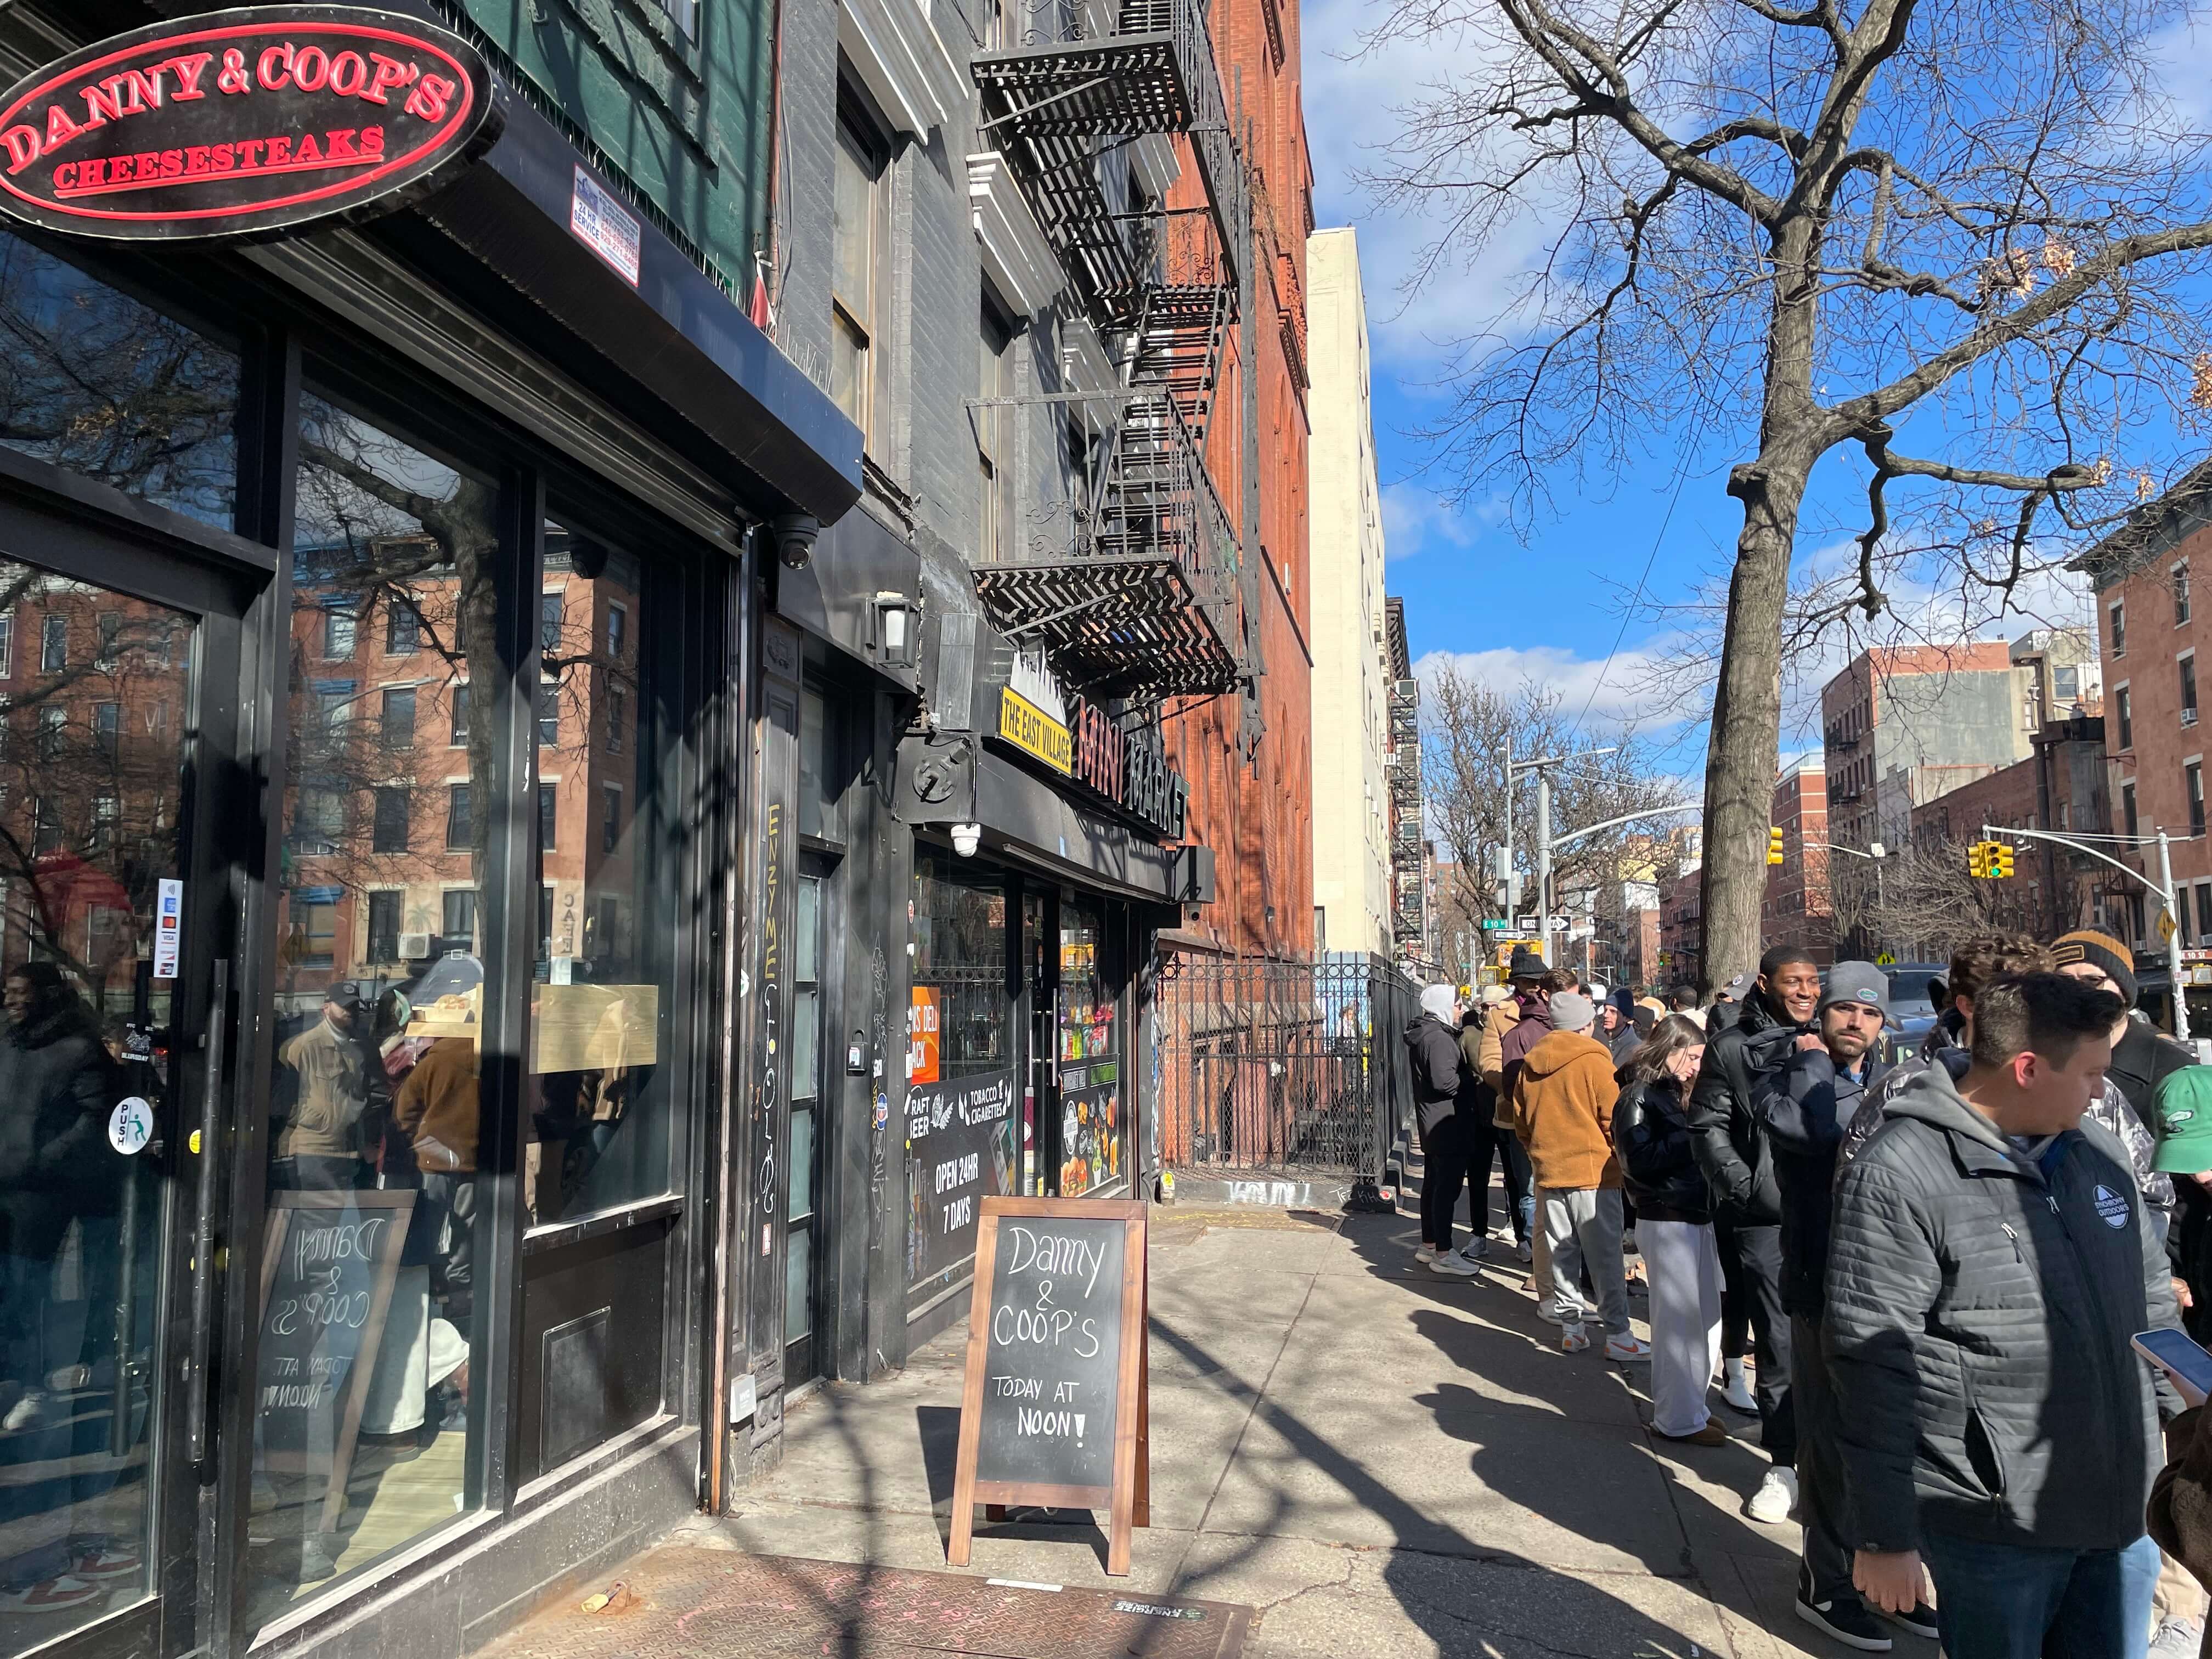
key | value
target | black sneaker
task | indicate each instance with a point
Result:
(1919, 1619)
(1848, 1621)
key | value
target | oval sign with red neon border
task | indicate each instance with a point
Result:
(243, 122)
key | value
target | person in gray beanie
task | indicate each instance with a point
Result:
(1805, 1107)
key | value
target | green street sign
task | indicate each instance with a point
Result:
(1493, 924)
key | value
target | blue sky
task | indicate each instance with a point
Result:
(1548, 606)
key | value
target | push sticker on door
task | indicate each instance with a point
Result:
(168, 921)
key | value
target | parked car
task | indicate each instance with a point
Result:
(1914, 987)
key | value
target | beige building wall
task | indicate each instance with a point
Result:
(1351, 687)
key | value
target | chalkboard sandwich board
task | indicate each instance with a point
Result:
(1056, 1406)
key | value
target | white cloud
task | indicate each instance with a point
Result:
(1415, 520)
(1617, 693)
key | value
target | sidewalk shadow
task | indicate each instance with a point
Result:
(937, 1428)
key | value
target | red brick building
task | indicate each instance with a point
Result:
(1796, 909)
(1258, 817)
(1681, 926)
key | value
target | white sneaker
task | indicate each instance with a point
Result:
(1424, 1251)
(1452, 1265)
(1475, 1249)
(1573, 1339)
(1771, 1506)
(1625, 1348)
(1738, 1392)
(2176, 1638)
(27, 1412)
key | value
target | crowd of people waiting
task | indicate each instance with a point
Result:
(1922, 1269)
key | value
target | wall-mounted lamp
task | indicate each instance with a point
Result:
(895, 629)
(965, 839)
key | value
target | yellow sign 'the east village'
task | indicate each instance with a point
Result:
(1033, 732)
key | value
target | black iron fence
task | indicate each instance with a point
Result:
(1296, 1066)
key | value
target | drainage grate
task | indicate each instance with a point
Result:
(683, 1602)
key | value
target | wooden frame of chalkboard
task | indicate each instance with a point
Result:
(284, 1207)
(1126, 1495)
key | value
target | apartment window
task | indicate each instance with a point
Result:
(549, 713)
(2180, 575)
(2194, 774)
(391, 823)
(858, 284)
(2181, 909)
(53, 722)
(2119, 615)
(2128, 819)
(107, 814)
(460, 733)
(685, 14)
(397, 723)
(611, 821)
(2123, 717)
(548, 804)
(2203, 909)
(7, 644)
(53, 645)
(337, 633)
(45, 828)
(403, 627)
(459, 824)
(2188, 668)
(617, 630)
(994, 380)
(550, 612)
(2065, 684)
(384, 926)
(457, 914)
(107, 728)
(617, 700)
(315, 923)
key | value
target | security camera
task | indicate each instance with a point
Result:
(965, 836)
(795, 534)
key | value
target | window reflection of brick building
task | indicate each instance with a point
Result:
(95, 688)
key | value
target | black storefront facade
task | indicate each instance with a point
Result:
(979, 1021)
(388, 657)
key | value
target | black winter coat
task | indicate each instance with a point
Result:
(58, 1085)
(1979, 1308)
(1731, 1148)
(1804, 1109)
(2141, 1059)
(1434, 1046)
(1658, 1165)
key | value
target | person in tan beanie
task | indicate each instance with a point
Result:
(1563, 1096)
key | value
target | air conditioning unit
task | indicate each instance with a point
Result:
(413, 947)
(2189, 717)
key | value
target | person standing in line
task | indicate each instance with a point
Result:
(1804, 1108)
(1673, 1228)
(1532, 1027)
(1563, 1096)
(1489, 1140)
(1432, 1041)
(1728, 1003)
(1733, 1152)
(1989, 1261)
(1683, 1000)
(1617, 1025)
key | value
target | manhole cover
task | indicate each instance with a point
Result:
(714, 1602)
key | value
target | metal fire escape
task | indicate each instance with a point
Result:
(1143, 607)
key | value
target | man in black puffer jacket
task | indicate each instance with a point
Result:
(1804, 1108)
(1990, 1259)
(1733, 1152)
(1432, 1045)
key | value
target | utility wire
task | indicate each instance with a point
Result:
(1681, 477)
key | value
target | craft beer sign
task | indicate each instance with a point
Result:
(243, 122)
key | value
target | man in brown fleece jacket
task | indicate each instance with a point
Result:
(1564, 1098)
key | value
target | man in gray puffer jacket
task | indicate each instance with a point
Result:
(1990, 1258)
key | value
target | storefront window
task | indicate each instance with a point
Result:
(961, 1058)
(604, 1095)
(1090, 1056)
(370, 1319)
(91, 381)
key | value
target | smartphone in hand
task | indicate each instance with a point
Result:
(2188, 1365)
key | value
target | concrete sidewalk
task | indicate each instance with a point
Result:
(1376, 1459)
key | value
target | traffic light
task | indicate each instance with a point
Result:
(1978, 858)
(1774, 844)
(2000, 860)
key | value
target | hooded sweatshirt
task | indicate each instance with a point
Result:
(1433, 1045)
(1563, 1096)
(1980, 1302)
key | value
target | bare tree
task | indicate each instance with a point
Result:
(1468, 728)
(1796, 228)
(1927, 899)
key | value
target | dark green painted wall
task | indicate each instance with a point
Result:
(684, 119)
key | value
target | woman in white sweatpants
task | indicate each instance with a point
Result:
(1674, 1227)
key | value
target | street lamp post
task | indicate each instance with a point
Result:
(1874, 854)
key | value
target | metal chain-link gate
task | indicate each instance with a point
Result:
(1294, 1066)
